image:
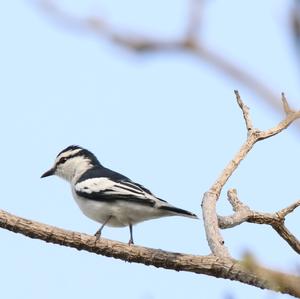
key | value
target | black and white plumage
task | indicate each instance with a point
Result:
(106, 196)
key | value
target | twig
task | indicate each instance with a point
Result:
(236, 204)
(252, 138)
(286, 106)
(208, 265)
(246, 113)
(276, 220)
(284, 212)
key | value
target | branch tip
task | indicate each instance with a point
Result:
(235, 202)
(238, 98)
(246, 112)
(284, 212)
(285, 104)
(242, 213)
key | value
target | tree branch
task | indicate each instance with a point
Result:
(189, 43)
(210, 198)
(276, 220)
(208, 265)
(253, 137)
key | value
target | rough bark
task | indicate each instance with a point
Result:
(210, 265)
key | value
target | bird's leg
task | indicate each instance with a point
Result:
(98, 232)
(131, 238)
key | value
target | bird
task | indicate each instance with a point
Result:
(106, 196)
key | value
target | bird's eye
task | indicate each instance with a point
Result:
(62, 160)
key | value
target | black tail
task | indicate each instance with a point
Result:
(178, 211)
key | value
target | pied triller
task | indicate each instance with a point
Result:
(106, 196)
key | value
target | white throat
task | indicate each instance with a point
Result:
(71, 170)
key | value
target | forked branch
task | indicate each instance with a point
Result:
(210, 198)
(276, 220)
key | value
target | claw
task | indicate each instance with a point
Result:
(97, 235)
(130, 242)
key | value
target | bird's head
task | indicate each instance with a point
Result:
(72, 162)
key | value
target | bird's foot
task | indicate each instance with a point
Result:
(130, 242)
(97, 235)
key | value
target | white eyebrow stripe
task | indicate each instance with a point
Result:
(70, 153)
(67, 154)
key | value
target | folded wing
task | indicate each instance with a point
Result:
(107, 189)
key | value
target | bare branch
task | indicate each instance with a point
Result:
(284, 212)
(188, 43)
(286, 106)
(290, 118)
(253, 137)
(285, 234)
(241, 212)
(210, 219)
(246, 112)
(276, 220)
(210, 198)
(208, 265)
(236, 204)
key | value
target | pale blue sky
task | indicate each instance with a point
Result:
(167, 121)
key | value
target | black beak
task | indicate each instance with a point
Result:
(48, 173)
